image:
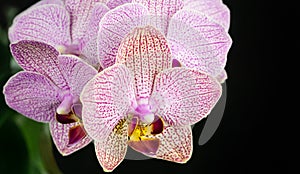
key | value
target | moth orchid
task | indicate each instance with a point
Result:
(143, 102)
(48, 91)
(197, 38)
(70, 26)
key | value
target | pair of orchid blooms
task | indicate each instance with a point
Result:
(119, 73)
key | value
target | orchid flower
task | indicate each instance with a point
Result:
(198, 39)
(143, 102)
(48, 91)
(70, 26)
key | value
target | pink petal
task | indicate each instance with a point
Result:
(198, 42)
(106, 99)
(76, 72)
(89, 40)
(111, 33)
(46, 23)
(214, 9)
(145, 52)
(60, 136)
(222, 76)
(80, 13)
(32, 95)
(38, 57)
(111, 151)
(176, 144)
(115, 3)
(161, 11)
(183, 97)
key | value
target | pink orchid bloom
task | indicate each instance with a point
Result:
(48, 91)
(70, 26)
(197, 38)
(143, 102)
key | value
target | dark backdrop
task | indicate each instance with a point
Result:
(252, 137)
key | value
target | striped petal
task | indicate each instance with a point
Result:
(106, 99)
(111, 34)
(145, 52)
(161, 11)
(76, 72)
(198, 42)
(38, 57)
(32, 95)
(111, 151)
(183, 97)
(214, 9)
(176, 144)
(48, 23)
(61, 137)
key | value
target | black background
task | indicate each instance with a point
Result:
(253, 135)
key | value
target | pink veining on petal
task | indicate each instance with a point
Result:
(214, 9)
(198, 42)
(106, 99)
(60, 136)
(115, 3)
(176, 144)
(32, 95)
(112, 150)
(48, 23)
(182, 96)
(111, 34)
(161, 11)
(39, 57)
(145, 52)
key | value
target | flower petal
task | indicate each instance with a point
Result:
(80, 13)
(89, 40)
(214, 9)
(111, 151)
(32, 95)
(198, 42)
(145, 52)
(115, 3)
(60, 135)
(38, 57)
(76, 72)
(176, 144)
(183, 97)
(106, 99)
(46, 23)
(222, 76)
(111, 34)
(161, 11)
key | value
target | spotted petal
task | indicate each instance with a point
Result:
(38, 57)
(214, 9)
(111, 34)
(111, 151)
(161, 11)
(48, 23)
(76, 72)
(175, 144)
(183, 97)
(145, 52)
(60, 135)
(198, 42)
(32, 95)
(106, 99)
